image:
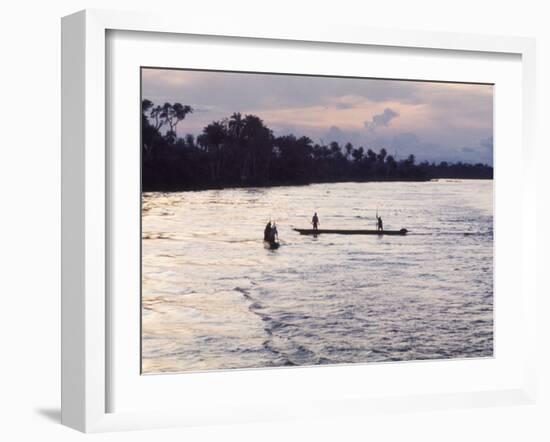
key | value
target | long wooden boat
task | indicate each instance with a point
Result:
(350, 232)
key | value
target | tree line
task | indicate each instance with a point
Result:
(243, 151)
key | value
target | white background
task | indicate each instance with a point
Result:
(267, 389)
(30, 182)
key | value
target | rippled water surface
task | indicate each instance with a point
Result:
(214, 298)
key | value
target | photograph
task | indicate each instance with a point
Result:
(292, 220)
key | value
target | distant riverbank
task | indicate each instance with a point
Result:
(286, 184)
(241, 151)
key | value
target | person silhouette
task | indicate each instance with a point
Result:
(267, 232)
(274, 233)
(315, 221)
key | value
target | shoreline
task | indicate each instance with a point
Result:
(294, 184)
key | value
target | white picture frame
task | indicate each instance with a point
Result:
(86, 205)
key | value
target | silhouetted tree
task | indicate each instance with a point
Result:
(212, 139)
(358, 154)
(242, 151)
(349, 149)
(381, 155)
(335, 149)
(371, 156)
(391, 166)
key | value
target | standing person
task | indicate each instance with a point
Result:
(274, 233)
(315, 221)
(380, 225)
(267, 232)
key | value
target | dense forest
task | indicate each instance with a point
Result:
(243, 151)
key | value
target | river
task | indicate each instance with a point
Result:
(214, 298)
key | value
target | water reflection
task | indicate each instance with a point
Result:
(214, 298)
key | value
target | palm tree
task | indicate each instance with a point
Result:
(335, 148)
(174, 113)
(235, 126)
(213, 136)
(371, 156)
(358, 154)
(410, 160)
(391, 165)
(257, 141)
(156, 115)
(349, 149)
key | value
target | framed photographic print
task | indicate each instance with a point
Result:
(334, 285)
(271, 223)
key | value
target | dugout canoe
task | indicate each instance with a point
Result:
(271, 245)
(350, 232)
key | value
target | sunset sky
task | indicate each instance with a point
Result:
(433, 121)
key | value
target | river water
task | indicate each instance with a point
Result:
(214, 298)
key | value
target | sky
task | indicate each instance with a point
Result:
(434, 121)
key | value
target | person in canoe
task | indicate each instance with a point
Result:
(315, 221)
(379, 224)
(271, 236)
(268, 236)
(274, 233)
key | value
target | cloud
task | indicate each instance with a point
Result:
(381, 120)
(341, 137)
(404, 144)
(344, 106)
(335, 134)
(433, 120)
(487, 143)
(482, 153)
